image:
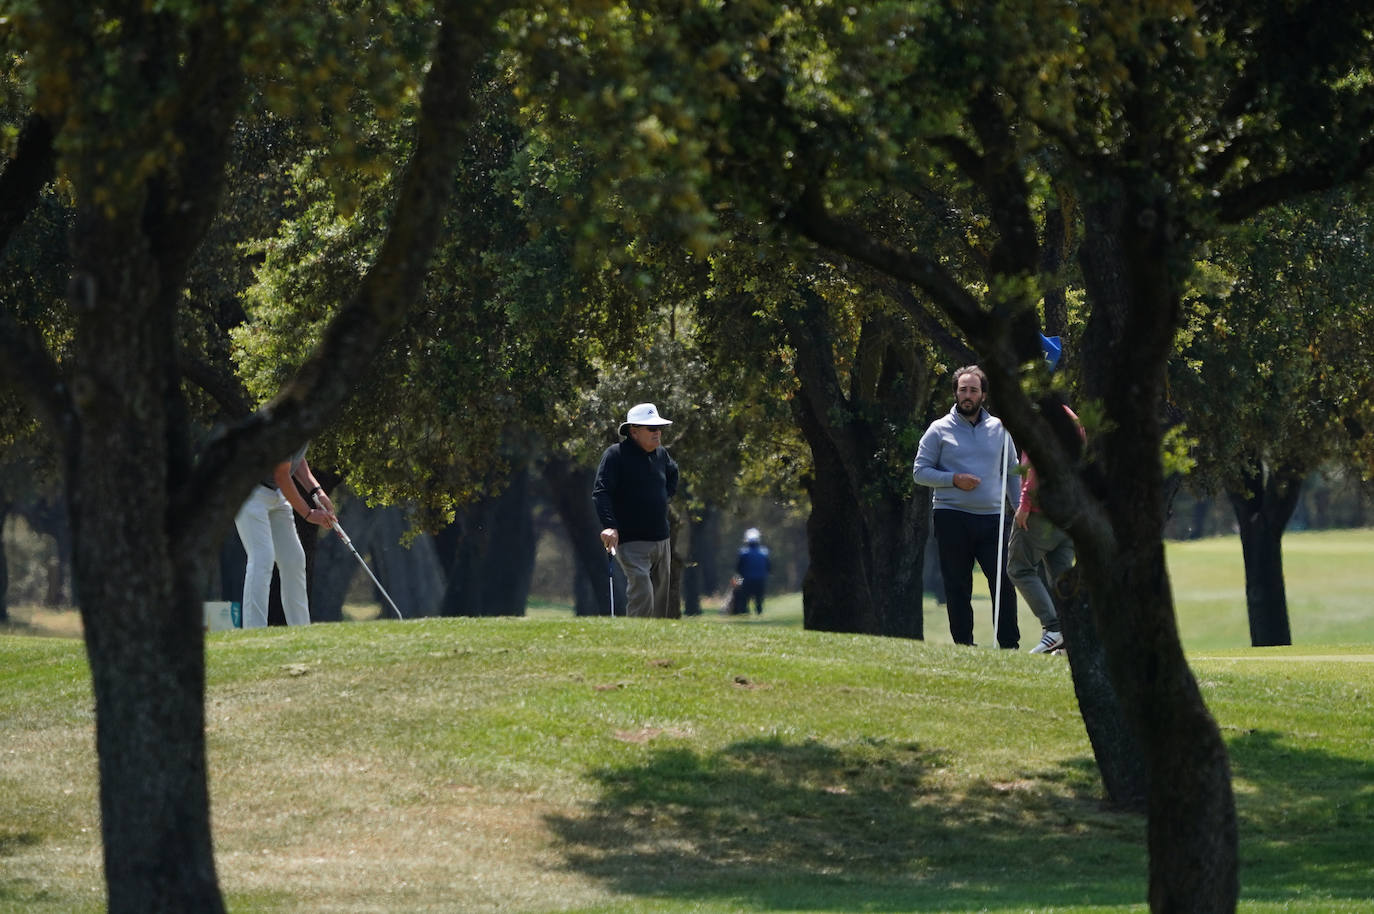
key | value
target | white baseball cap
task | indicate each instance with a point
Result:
(642, 414)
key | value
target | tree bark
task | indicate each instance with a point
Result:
(1128, 270)
(680, 547)
(701, 576)
(1119, 758)
(139, 606)
(411, 574)
(570, 491)
(4, 565)
(1263, 507)
(865, 540)
(492, 563)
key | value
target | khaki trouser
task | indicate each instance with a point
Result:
(646, 566)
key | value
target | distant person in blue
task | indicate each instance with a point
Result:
(752, 566)
(633, 483)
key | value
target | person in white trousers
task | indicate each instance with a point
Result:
(268, 532)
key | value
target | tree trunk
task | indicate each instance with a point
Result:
(867, 529)
(836, 591)
(570, 491)
(411, 574)
(700, 577)
(1119, 758)
(1263, 507)
(1192, 823)
(334, 568)
(1127, 266)
(140, 606)
(4, 565)
(48, 516)
(492, 562)
(680, 547)
(511, 547)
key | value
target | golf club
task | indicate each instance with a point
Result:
(610, 577)
(338, 528)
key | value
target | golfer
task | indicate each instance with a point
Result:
(966, 457)
(1036, 542)
(268, 532)
(634, 481)
(752, 565)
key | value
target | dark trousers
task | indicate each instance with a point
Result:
(752, 588)
(963, 538)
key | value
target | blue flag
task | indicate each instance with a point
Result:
(1053, 350)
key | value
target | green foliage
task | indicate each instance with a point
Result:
(312, 61)
(1274, 357)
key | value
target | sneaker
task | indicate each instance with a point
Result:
(1052, 642)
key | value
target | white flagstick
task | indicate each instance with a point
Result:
(1001, 526)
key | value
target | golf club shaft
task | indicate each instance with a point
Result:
(338, 528)
(610, 577)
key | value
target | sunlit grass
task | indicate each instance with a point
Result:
(707, 765)
(714, 764)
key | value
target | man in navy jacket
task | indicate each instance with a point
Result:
(752, 566)
(634, 481)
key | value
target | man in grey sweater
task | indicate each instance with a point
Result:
(963, 456)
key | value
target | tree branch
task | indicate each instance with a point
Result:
(26, 365)
(223, 386)
(363, 324)
(958, 351)
(1323, 174)
(810, 217)
(211, 88)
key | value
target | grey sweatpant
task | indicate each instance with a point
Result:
(1040, 541)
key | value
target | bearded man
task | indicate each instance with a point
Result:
(964, 457)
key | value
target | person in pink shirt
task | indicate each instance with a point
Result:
(1034, 540)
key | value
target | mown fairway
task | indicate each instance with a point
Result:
(551, 764)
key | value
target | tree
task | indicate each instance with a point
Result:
(859, 393)
(132, 108)
(1162, 123)
(1145, 204)
(1272, 372)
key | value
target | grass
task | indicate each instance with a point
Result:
(717, 764)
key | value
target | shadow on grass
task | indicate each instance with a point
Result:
(1306, 820)
(775, 825)
(875, 827)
